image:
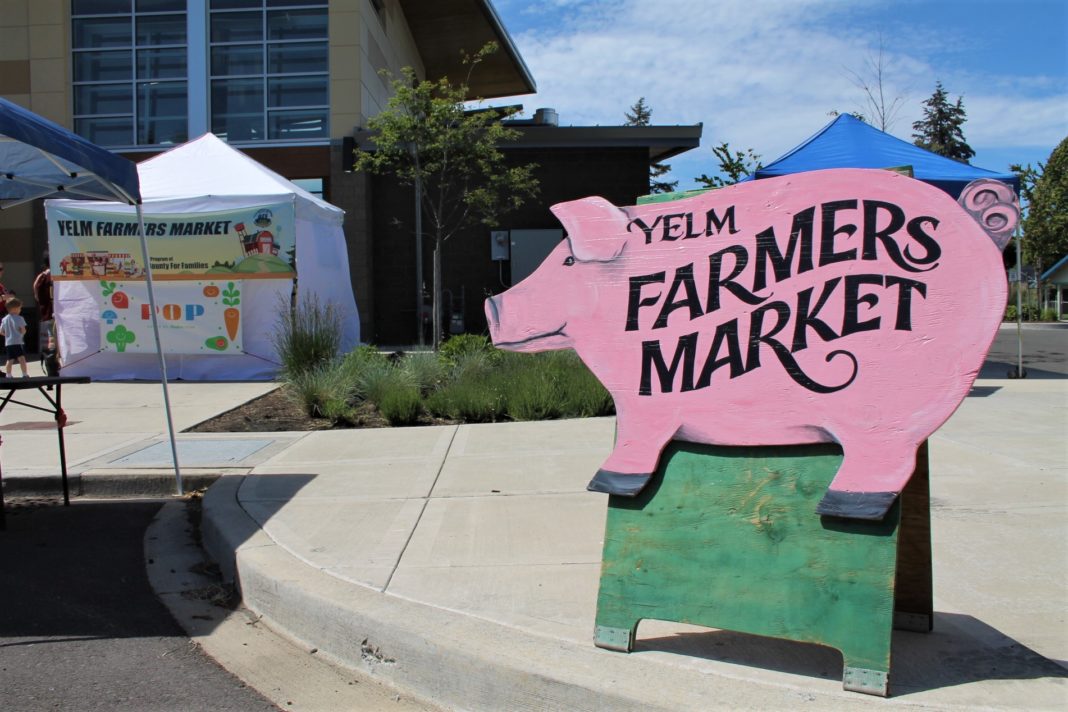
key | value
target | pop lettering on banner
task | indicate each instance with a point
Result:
(848, 306)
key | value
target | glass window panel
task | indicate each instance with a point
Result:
(234, 4)
(102, 66)
(161, 108)
(309, 123)
(101, 32)
(161, 63)
(161, 30)
(301, 57)
(312, 185)
(297, 91)
(287, 3)
(106, 132)
(237, 109)
(161, 5)
(99, 7)
(237, 59)
(103, 99)
(296, 24)
(237, 27)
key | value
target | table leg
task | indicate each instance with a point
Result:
(61, 420)
(3, 519)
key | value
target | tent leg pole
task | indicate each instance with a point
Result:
(159, 350)
(1019, 308)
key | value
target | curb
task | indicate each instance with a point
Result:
(457, 660)
(113, 483)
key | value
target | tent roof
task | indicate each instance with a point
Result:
(39, 158)
(209, 166)
(848, 142)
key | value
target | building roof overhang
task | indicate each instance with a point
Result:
(444, 30)
(663, 142)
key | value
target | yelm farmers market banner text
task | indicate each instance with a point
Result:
(246, 243)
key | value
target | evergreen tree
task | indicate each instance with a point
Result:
(640, 115)
(939, 131)
(733, 166)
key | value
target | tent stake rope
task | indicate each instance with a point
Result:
(159, 347)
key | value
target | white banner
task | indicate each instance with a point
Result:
(195, 317)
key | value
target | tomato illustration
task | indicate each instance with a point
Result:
(211, 291)
(119, 300)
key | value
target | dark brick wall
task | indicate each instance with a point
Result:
(620, 175)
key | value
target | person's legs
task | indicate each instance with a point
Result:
(22, 364)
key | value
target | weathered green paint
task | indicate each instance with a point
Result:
(728, 538)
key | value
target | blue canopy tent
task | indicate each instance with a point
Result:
(41, 159)
(848, 142)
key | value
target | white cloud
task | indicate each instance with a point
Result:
(758, 73)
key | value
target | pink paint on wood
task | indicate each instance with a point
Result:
(849, 306)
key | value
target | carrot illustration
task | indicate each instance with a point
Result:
(231, 317)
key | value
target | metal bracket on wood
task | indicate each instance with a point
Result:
(914, 622)
(870, 682)
(618, 639)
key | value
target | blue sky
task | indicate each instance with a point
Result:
(764, 74)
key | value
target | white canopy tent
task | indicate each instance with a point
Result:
(201, 176)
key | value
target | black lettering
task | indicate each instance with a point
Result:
(726, 333)
(786, 359)
(767, 248)
(807, 317)
(685, 354)
(828, 232)
(853, 299)
(690, 234)
(933, 249)
(684, 278)
(715, 266)
(647, 229)
(904, 299)
(669, 226)
(635, 300)
(713, 220)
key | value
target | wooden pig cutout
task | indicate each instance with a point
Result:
(848, 306)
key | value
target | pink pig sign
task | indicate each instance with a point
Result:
(848, 306)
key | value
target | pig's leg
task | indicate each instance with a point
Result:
(870, 479)
(634, 458)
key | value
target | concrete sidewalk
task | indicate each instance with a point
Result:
(461, 563)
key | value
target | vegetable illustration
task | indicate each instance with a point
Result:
(109, 316)
(108, 287)
(211, 291)
(121, 337)
(218, 343)
(231, 315)
(119, 300)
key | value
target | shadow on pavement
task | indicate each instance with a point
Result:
(960, 650)
(1001, 369)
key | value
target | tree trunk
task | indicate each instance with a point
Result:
(437, 292)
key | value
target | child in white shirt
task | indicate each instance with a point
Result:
(13, 328)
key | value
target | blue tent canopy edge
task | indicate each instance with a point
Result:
(847, 142)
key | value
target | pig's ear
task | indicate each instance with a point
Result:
(596, 229)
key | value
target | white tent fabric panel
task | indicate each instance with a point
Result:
(77, 307)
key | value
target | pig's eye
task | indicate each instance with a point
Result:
(568, 261)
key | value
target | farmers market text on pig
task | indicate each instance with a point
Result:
(886, 231)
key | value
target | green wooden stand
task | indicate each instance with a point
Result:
(728, 538)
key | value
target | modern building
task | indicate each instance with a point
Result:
(287, 81)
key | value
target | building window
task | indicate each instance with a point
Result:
(268, 69)
(129, 71)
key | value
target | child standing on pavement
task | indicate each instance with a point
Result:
(13, 328)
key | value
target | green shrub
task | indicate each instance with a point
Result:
(307, 336)
(425, 369)
(401, 405)
(1010, 313)
(324, 392)
(583, 395)
(462, 344)
(1049, 315)
(376, 379)
(469, 400)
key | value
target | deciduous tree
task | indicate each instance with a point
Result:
(733, 166)
(1045, 227)
(428, 138)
